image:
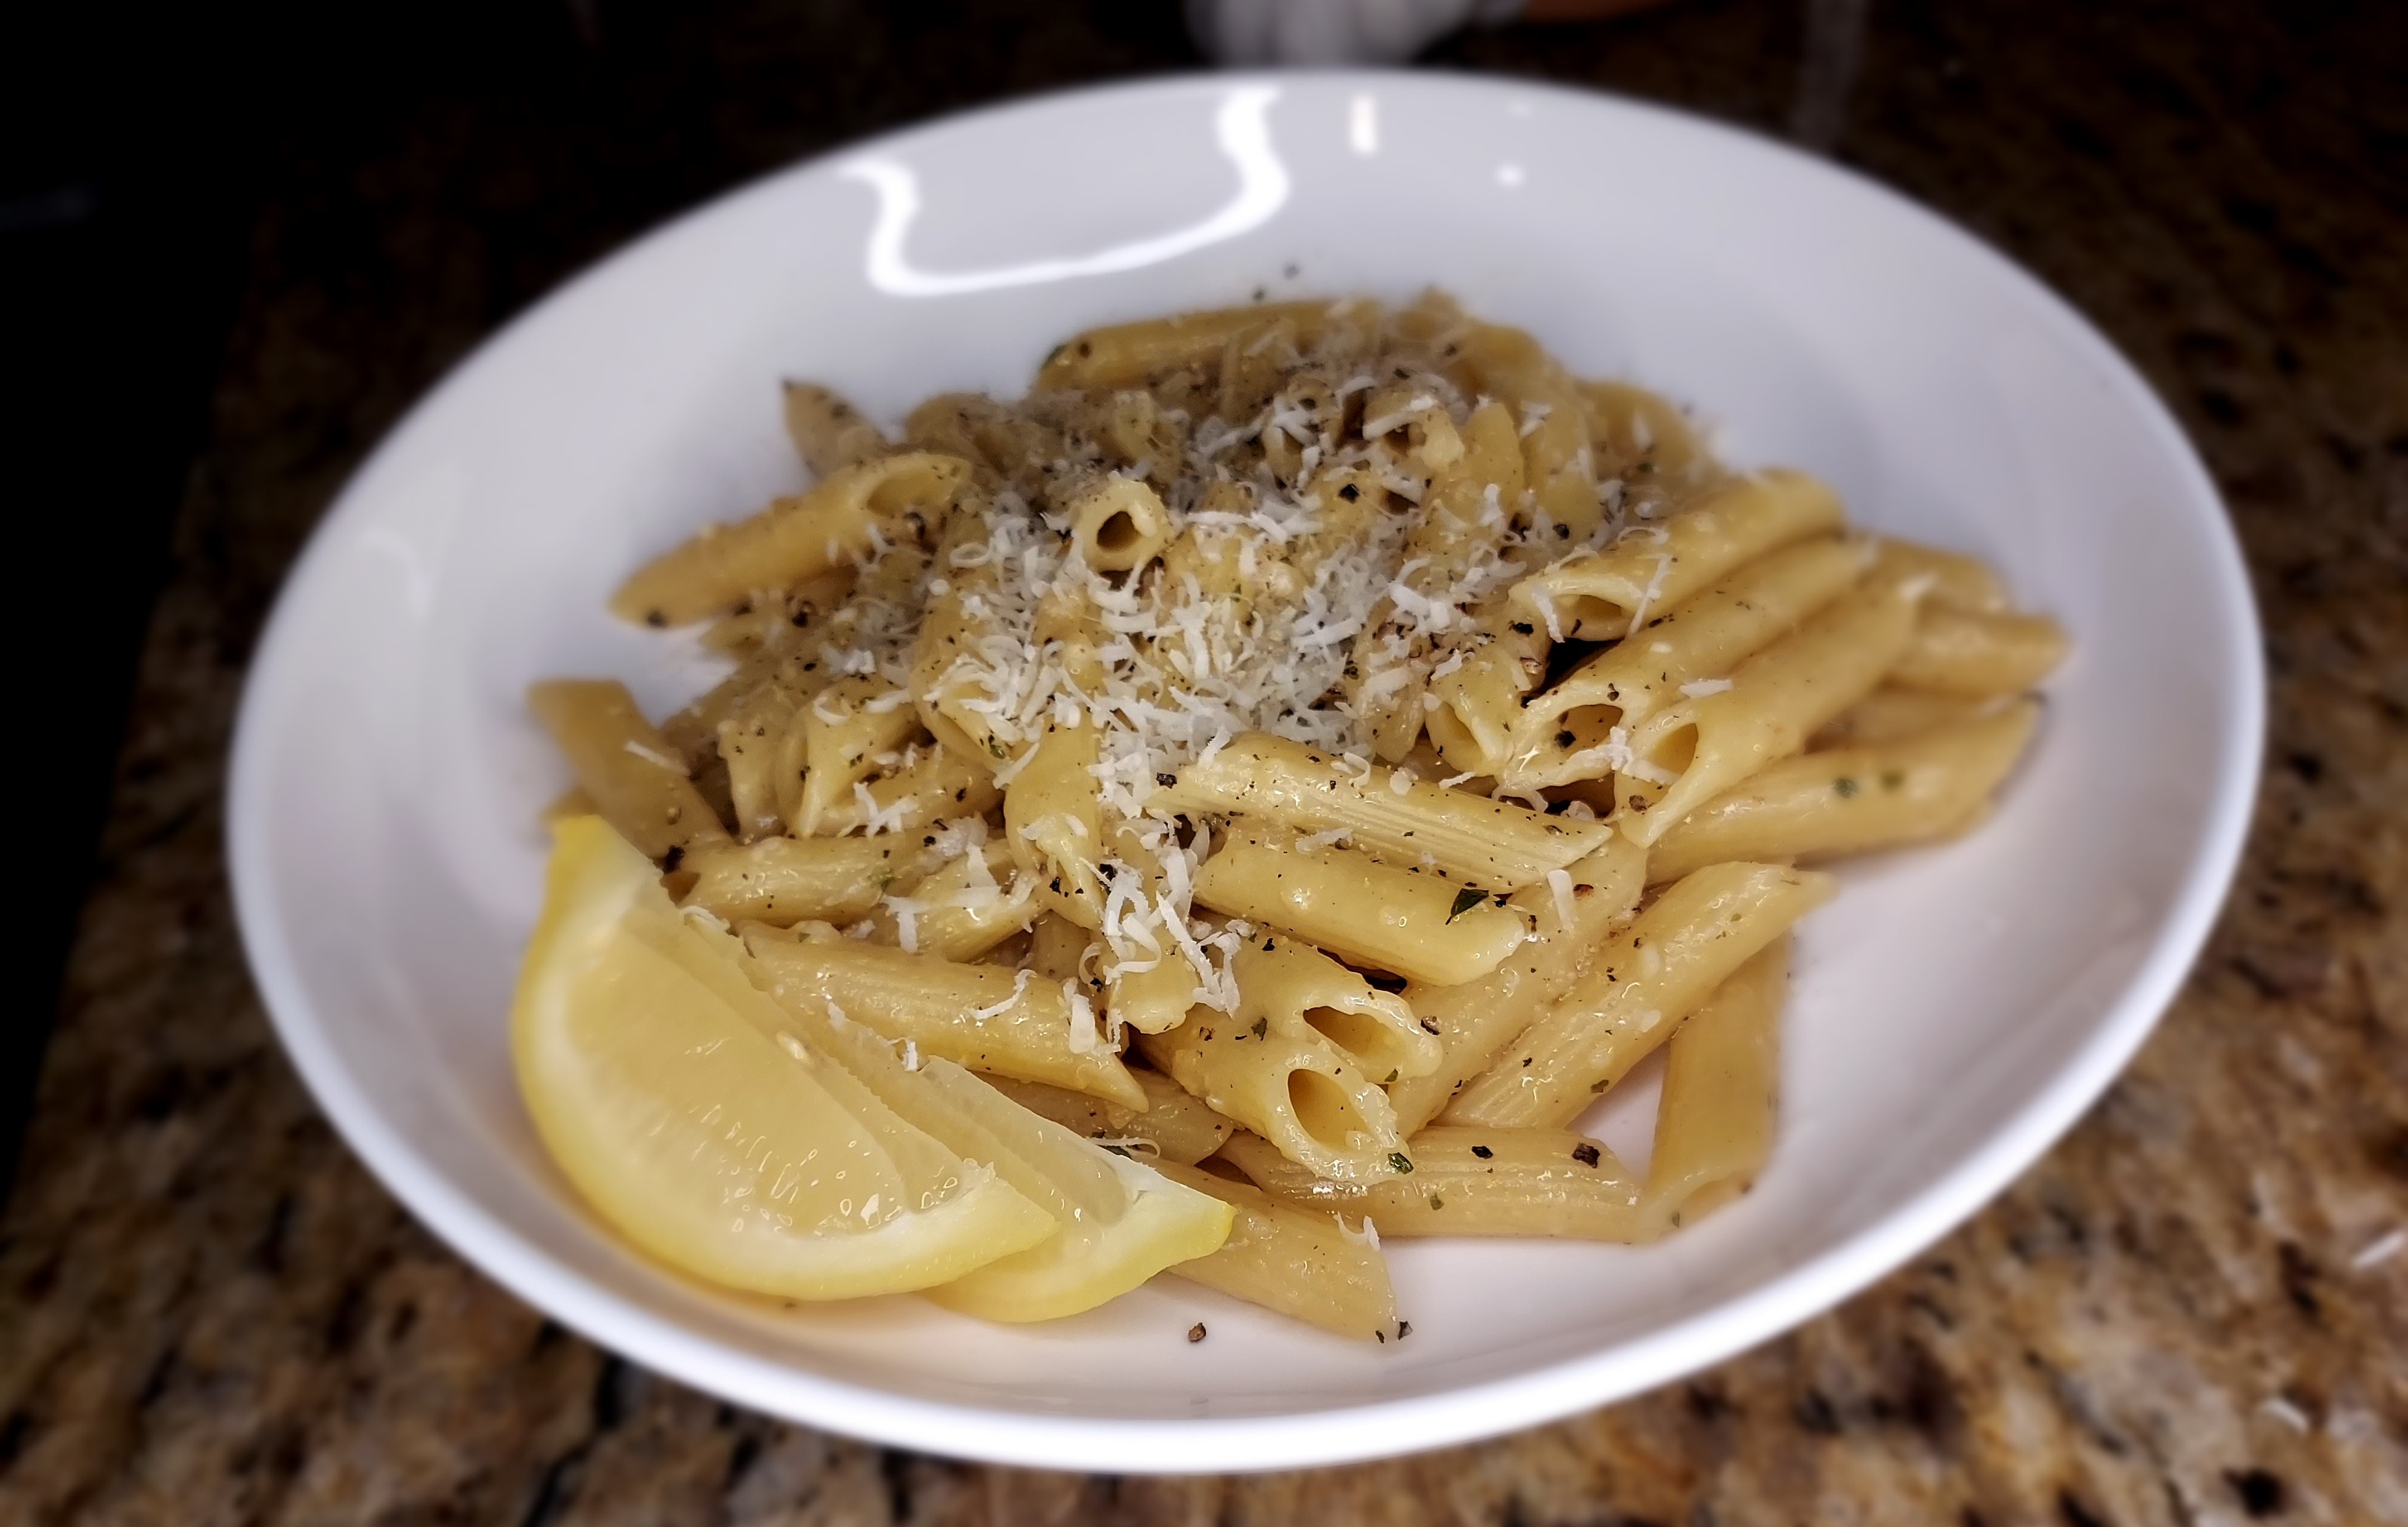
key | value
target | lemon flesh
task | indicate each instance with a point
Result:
(700, 1137)
(1119, 1222)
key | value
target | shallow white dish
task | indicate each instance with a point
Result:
(1955, 1010)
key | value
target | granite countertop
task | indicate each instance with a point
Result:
(2194, 1310)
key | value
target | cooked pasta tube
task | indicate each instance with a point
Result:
(797, 669)
(1054, 821)
(784, 881)
(1493, 845)
(1414, 924)
(936, 785)
(1579, 727)
(1779, 698)
(1279, 1065)
(1607, 595)
(1412, 412)
(638, 785)
(1305, 1265)
(1644, 441)
(1129, 354)
(1476, 1019)
(983, 1017)
(1722, 1084)
(1472, 711)
(840, 734)
(1150, 993)
(750, 744)
(1175, 1127)
(830, 433)
(954, 634)
(793, 540)
(1119, 525)
(1955, 652)
(767, 618)
(1004, 446)
(1634, 992)
(1451, 557)
(1851, 800)
(1474, 1181)
(1558, 461)
(1952, 581)
(959, 911)
(1058, 947)
(1888, 715)
(1297, 984)
(1139, 434)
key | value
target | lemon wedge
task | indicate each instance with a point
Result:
(641, 1051)
(1120, 1222)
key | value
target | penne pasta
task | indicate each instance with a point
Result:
(830, 433)
(784, 881)
(1956, 652)
(1053, 820)
(1175, 1126)
(1645, 442)
(1474, 1020)
(1305, 1265)
(1294, 1062)
(931, 786)
(792, 540)
(1952, 580)
(959, 911)
(1607, 595)
(1851, 800)
(1703, 746)
(1407, 922)
(1722, 1084)
(1888, 715)
(625, 768)
(1391, 814)
(1474, 1181)
(975, 1015)
(1128, 354)
(1633, 994)
(1119, 526)
(1581, 728)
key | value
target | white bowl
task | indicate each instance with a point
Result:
(1955, 1010)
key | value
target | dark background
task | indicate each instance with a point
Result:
(236, 243)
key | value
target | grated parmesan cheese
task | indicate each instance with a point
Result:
(1559, 886)
(656, 757)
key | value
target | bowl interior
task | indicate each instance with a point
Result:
(1952, 1011)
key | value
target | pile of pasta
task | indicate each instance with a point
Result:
(1318, 749)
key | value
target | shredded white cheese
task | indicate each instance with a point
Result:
(656, 757)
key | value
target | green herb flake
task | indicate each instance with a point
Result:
(1845, 787)
(1464, 901)
(1262, 1027)
(1437, 1203)
(1402, 1163)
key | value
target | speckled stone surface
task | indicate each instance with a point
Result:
(210, 1313)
